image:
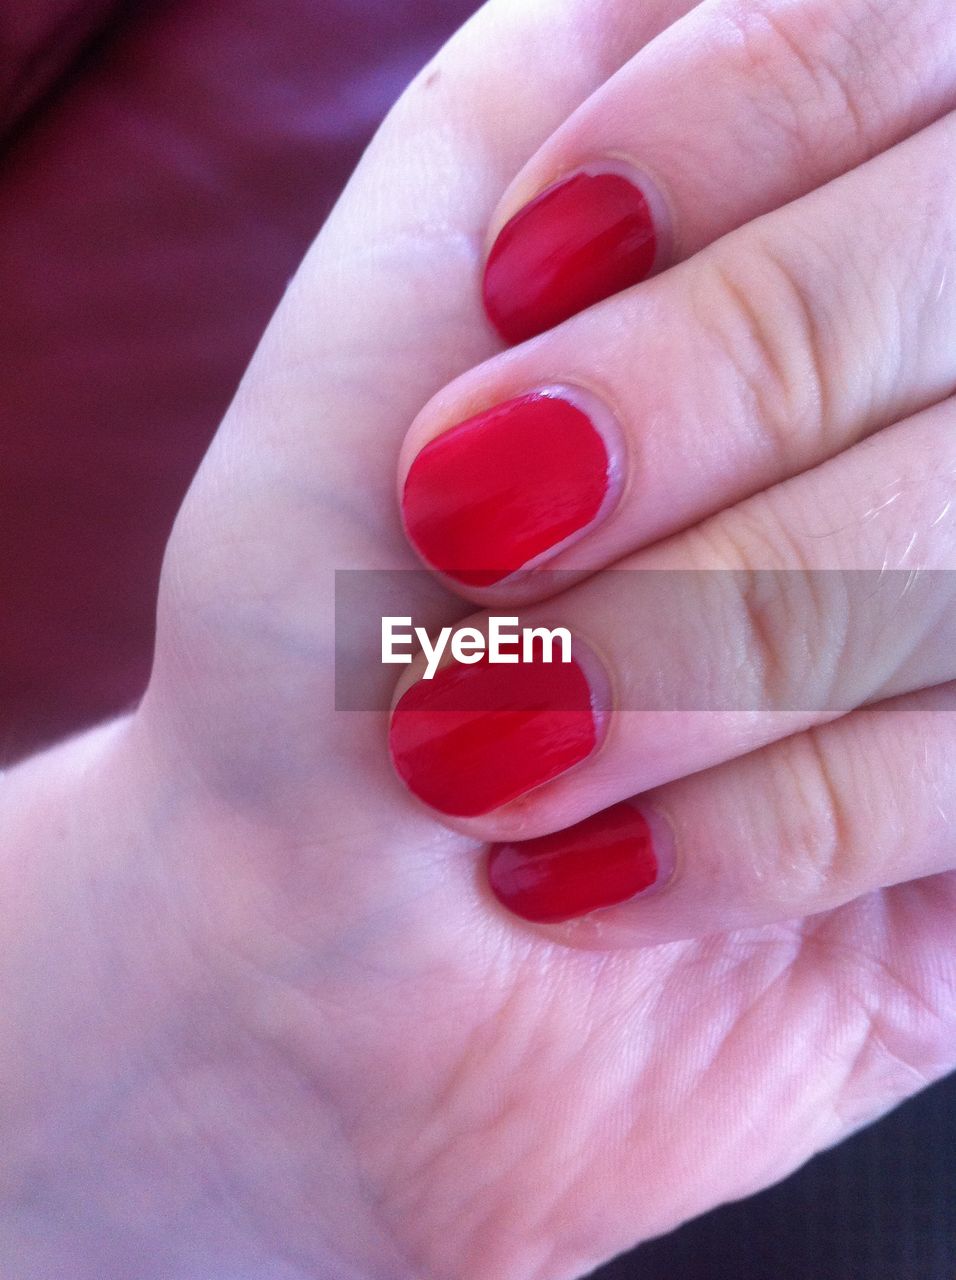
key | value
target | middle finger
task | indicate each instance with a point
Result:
(771, 351)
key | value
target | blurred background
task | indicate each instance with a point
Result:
(164, 167)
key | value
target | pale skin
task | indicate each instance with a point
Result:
(261, 1015)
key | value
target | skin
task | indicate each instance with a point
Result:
(280, 1026)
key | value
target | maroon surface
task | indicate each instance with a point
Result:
(37, 41)
(153, 203)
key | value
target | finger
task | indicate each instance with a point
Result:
(771, 351)
(383, 311)
(734, 111)
(687, 655)
(798, 828)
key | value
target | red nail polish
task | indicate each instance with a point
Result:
(580, 241)
(475, 737)
(508, 485)
(601, 862)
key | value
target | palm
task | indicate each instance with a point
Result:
(488, 1103)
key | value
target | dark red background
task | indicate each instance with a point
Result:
(155, 196)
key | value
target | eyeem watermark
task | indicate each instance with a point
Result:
(504, 641)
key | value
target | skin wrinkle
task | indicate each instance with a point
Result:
(828, 77)
(583, 1040)
(735, 1039)
(811, 327)
(375, 1188)
(782, 378)
(833, 611)
(835, 828)
(761, 542)
(428, 1148)
(761, 641)
(870, 971)
(764, 31)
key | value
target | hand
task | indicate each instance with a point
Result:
(757, 442)
(332, 1054)
(701, 434)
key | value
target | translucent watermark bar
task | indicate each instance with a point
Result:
(820, 641)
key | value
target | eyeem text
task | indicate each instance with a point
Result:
(504, 641)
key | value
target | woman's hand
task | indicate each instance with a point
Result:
(702, 434)
(332, 1053)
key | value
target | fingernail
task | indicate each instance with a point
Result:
(601, 862)
(580, 241)
(511, 485)
(476, 737)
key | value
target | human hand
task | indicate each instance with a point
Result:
(697, 434)
(755, 369)
(350, 1061)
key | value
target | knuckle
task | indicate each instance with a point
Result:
(821, 850)
(768, 317)
(809, 68)
(785, 623)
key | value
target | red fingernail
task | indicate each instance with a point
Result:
(601, 862)
(580, 241)
(475, 737)
(507, 486)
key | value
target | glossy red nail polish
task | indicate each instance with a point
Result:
(580, 241)
(475, 737)
(602, 861)
(495, 492)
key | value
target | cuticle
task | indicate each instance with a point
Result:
(663, 814)
(609, 403)
(666, 251)
(667, 243)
